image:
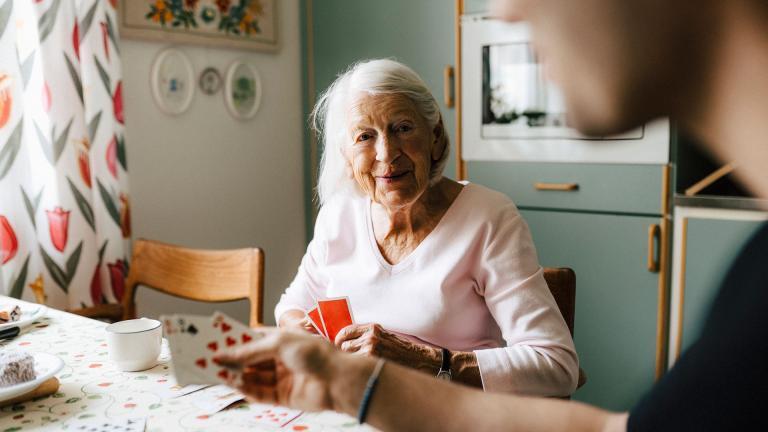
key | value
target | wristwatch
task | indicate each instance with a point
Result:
(445, 367)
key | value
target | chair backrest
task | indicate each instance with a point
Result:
(562, 285)
(202, 275)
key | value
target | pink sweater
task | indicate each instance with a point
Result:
(473, 284)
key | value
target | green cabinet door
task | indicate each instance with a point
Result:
(616, 298)
(476, 6)
(711, 245)
(418, 33)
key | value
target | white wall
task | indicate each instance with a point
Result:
(204, 179)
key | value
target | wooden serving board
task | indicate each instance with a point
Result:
(47, 388)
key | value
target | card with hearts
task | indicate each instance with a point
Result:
(273, 415)
(195, 340)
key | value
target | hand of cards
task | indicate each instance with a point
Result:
(195, 339)
(330, 316)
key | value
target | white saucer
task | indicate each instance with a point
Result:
(46, 366)
(29, 314)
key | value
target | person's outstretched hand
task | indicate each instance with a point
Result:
(294, 369)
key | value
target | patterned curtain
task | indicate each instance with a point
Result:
(64, 213)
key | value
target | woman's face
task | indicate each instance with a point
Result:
(390, 148)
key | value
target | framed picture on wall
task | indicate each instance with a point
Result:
(244, 24)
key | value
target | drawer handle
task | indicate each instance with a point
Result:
(448, 85)
(567, 187)
(654, 231)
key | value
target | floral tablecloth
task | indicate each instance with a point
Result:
(92, 387)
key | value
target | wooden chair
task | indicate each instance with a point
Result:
(562, 285)
(194, 274)
(111, 312)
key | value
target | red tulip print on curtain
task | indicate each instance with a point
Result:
(117, 273)
(112, 156)
(97, 296)
(9, 245)
(6, 99)
(105, 38)
(46, 97)
(76, 39)
(58, 225)
(63, 58)
(84, 162)
(117, 102)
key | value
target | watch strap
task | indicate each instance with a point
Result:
(445, 365)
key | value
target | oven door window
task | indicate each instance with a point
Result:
(517, 101)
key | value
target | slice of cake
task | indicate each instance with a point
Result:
(9, 314)
(16, 367)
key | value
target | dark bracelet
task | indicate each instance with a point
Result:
(362, 412)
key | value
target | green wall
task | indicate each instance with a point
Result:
(419, 33)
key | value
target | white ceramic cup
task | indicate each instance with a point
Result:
(134, 345)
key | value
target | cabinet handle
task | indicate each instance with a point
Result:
(448, 86)
(654, 235)
(567, 187)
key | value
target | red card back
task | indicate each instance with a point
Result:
(335, 314)
(314, 315)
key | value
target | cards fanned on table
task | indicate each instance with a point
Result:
(196, 339)
(214, 399)
(330, 316)
(275, 416)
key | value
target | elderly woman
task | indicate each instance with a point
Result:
(437, 272)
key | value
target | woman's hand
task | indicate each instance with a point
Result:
(373, 340)
(297, 319)
(291, 368)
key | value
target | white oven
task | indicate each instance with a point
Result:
(510, 112)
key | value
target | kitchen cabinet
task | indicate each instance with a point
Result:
(707, 240)
(601, 230)
(616, 298)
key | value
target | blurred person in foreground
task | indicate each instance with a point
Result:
(620, 63)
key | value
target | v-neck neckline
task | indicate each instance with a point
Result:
(405, 262)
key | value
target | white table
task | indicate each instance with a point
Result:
(91, 386)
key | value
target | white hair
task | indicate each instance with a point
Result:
(373, 77)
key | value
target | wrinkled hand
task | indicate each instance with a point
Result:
(372, 340)
(296, 319)
(285, 367)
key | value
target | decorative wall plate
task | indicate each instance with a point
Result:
(242, 90)
(209, 81)
(173, 81)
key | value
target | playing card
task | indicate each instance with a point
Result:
(174, 390)
(105, 424)
(195, 340)
(235, 333)
(335, 314)
(193, 344)
(214, 399)
(273, 415)
(317, 321)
